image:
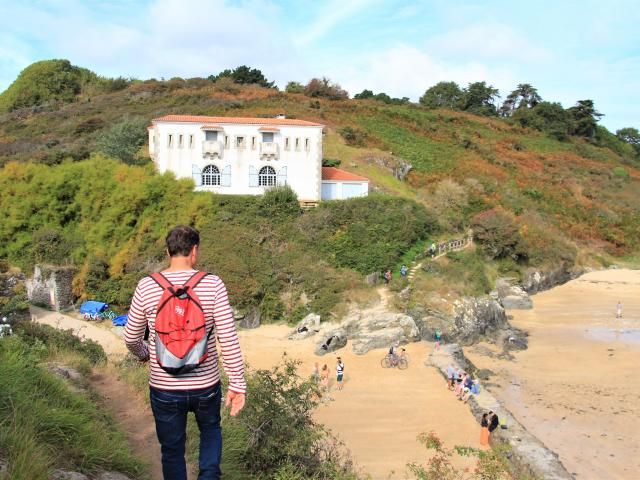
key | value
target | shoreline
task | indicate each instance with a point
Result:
(573, 388)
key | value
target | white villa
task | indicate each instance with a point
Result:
(236, 155)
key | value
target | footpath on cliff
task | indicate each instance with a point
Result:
(378, 415)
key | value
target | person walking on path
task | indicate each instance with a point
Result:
(484, 429)
(340, 373)
(403, 270)
(619, 310)
(387, 277)
(184, 373)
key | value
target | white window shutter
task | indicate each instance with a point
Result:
(253, 176)
(197, 175)
(225, 176)
(282, 176)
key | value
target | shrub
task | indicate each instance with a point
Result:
(353, 136)
(323, 87)
(620, 172)
(294, 87)
(331, 162)
(497, 233)
(283, 440)
(124, 140)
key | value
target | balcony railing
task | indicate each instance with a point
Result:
(269, 149)
(212, 148)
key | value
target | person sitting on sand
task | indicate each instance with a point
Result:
(494, 421)
(484, 429)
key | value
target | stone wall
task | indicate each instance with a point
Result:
(52, 286)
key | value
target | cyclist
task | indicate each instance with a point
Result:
(393, 354)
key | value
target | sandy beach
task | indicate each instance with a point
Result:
(576, 387)
(380, 412)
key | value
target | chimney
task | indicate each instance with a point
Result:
(281, 116)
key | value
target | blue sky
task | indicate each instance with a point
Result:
(569, 50)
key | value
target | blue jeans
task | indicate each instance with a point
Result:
(170, 410)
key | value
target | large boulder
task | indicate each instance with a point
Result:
(383, 330)
(111, 476)
(331, 341)
(371, 340)
(511, 295)
(251, 319)
(476, 318)
(534, 280)
(308, 326)
(65, 475)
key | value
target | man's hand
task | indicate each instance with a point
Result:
(236, 401)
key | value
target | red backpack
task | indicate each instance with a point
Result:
(181, 338)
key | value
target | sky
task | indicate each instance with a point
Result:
(569, 50)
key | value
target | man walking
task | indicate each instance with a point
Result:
(183, 356)
(619, 310)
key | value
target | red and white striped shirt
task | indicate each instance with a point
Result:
(217, 311)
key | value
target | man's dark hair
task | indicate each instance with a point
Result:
(181, 240)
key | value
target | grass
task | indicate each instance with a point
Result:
(45, 425)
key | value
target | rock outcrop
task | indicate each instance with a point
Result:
(251, 319)
(528, 456)
(512, 295)
(331, 341)
(475, 318)
(384, 330)
(534, 280)
(52, 286)
(308, 326)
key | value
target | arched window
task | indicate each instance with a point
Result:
(210, 175)
(267, 177)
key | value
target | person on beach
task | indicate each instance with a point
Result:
(339, 373)
(437, 336)
(484, 429)
(619, 310)
(458, 386)
(494, 421)
(451, 375)
(181, 382)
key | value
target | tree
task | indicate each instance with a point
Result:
(479, 98)
(547, 117)
(323, 87)
(294, 87)
(524, 96)
(443, 95)
(244, 75)
(364, 94)
(123, 140)
(497, 233)
(586, 118)
(631, 136)
(381, 97)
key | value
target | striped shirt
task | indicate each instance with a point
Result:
(217, 311)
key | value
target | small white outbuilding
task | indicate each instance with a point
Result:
(339, 184)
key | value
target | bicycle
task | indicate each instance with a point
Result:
(393, 361)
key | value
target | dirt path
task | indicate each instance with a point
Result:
(127, 406)
(133, 414)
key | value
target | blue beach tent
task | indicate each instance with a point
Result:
(92, 307)
(120, 321)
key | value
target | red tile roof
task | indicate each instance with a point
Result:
(237, 120)
(332, 173)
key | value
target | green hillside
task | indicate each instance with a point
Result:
(549, 201)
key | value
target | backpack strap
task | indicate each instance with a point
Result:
(195, 279)
(161, 280)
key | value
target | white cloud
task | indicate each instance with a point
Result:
(328, 17)
(489, 40)
(404, 70)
